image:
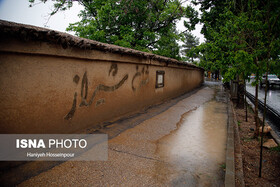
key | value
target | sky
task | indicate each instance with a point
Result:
(20, 12)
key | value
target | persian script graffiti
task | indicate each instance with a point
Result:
(100, 87)
(143, 75)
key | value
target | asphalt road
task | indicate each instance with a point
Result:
(273, 95)
(273, 100)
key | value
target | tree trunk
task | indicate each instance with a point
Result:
(245, 100)
(264, 115)
(256, 110)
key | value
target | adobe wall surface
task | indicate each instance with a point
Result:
(52, 82)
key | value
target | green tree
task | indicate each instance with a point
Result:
(244, 39)
(190, 42)
(146, 25)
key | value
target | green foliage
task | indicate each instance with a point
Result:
(276, 149)
(190, 42)
(275, 67)
(241, 37)
(147, 25)
(223, 166)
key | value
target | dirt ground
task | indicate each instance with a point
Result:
(250, 151)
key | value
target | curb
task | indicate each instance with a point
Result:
(239, 175)
(230, 164)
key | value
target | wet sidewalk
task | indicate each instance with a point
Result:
(179, 143)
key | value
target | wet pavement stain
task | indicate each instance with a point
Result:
(195, 151)
(181, 144)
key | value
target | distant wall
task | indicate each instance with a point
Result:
(53, 82)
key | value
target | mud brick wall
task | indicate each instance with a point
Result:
(53, 82)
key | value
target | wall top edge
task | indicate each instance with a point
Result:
(28, 32)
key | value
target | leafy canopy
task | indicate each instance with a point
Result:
(146, 25)
(190, 42)
(242, 37)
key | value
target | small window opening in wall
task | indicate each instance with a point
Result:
(160, 79)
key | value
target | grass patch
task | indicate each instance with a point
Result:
(276, 149)
(223, 166)
(238, 123)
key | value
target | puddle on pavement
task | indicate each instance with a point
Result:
(194, 153)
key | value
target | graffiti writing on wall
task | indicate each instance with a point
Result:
(139, 79)
(99, 88)
(143, 75)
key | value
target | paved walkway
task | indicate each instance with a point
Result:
(179, 143)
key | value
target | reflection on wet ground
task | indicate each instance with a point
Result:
(175, 144)
(273, 95)
(196, 149)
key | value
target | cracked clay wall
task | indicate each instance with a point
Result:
(67, 84)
